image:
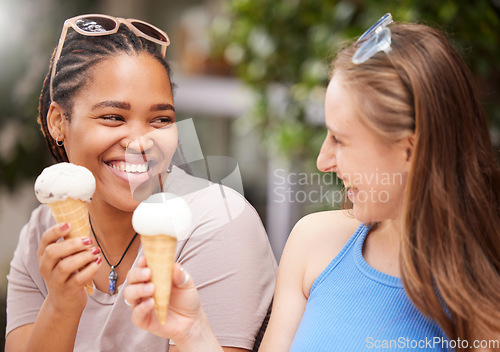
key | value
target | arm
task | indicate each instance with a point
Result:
(59, 264)
(289, 298)
(314, 241)
(42, 336)
(17, 338)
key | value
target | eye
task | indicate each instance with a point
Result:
(163, 121)
(112, 119)
(336, 140)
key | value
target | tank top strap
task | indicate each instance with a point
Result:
(359, 235)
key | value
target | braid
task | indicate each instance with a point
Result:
(79, 54)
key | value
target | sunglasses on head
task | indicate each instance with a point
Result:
(97, 25)
(376, 38)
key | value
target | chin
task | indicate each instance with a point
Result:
(128, 206)
(142, 191)
(365, 215)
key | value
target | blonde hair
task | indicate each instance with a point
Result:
(450, 246)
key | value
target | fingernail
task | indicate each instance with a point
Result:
(64, 226)
(95, 250)
(186, 277)
(98, 261)
(86, 241)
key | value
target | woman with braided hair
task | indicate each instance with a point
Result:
(107, 104)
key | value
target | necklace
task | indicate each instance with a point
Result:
(113, 276)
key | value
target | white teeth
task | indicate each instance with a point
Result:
(125, 167)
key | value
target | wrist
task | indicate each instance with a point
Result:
(200, 337)
(63, 311)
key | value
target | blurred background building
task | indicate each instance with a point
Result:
(250, 73)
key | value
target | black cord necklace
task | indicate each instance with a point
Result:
(113, 276)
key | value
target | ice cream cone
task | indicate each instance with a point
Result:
(75, 212)
(160, 220)
(160, 256)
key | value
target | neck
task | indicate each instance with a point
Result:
(381, 249)
(390, 229)
(112, 226)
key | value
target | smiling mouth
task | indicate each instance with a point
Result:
(123, 166)
(347, 185)
(350, 189)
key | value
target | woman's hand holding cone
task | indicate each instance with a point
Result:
(186, 322)
(66, 266)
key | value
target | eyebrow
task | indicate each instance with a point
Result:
(329, 128)
(112, 104)
(126, 106)
(161, 107)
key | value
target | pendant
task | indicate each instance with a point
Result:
(112, 281)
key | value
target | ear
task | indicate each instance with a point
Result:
(56, 121)
(408, 144)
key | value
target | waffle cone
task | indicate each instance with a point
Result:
(75, 212)
(160, 256)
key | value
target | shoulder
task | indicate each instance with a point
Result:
(29, 238)
(207, 197)
(24, 259)
(223, 219)
(214, 206)
(329, 229)
(316, 240)
(223, 224)
(40, 220)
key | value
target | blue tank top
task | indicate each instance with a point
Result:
(353, 307)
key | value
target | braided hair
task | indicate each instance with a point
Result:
(79, 55)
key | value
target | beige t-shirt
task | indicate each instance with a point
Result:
(227, 253)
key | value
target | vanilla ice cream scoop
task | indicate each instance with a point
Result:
(162, 214)
(161, 220)
(62, 181)
(67, 188)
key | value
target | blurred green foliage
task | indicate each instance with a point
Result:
(289, 44)
(282, 49)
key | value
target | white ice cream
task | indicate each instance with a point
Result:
(162, 214)
(64, 180)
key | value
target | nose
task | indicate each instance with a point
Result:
(138, 144)
(327, 160)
